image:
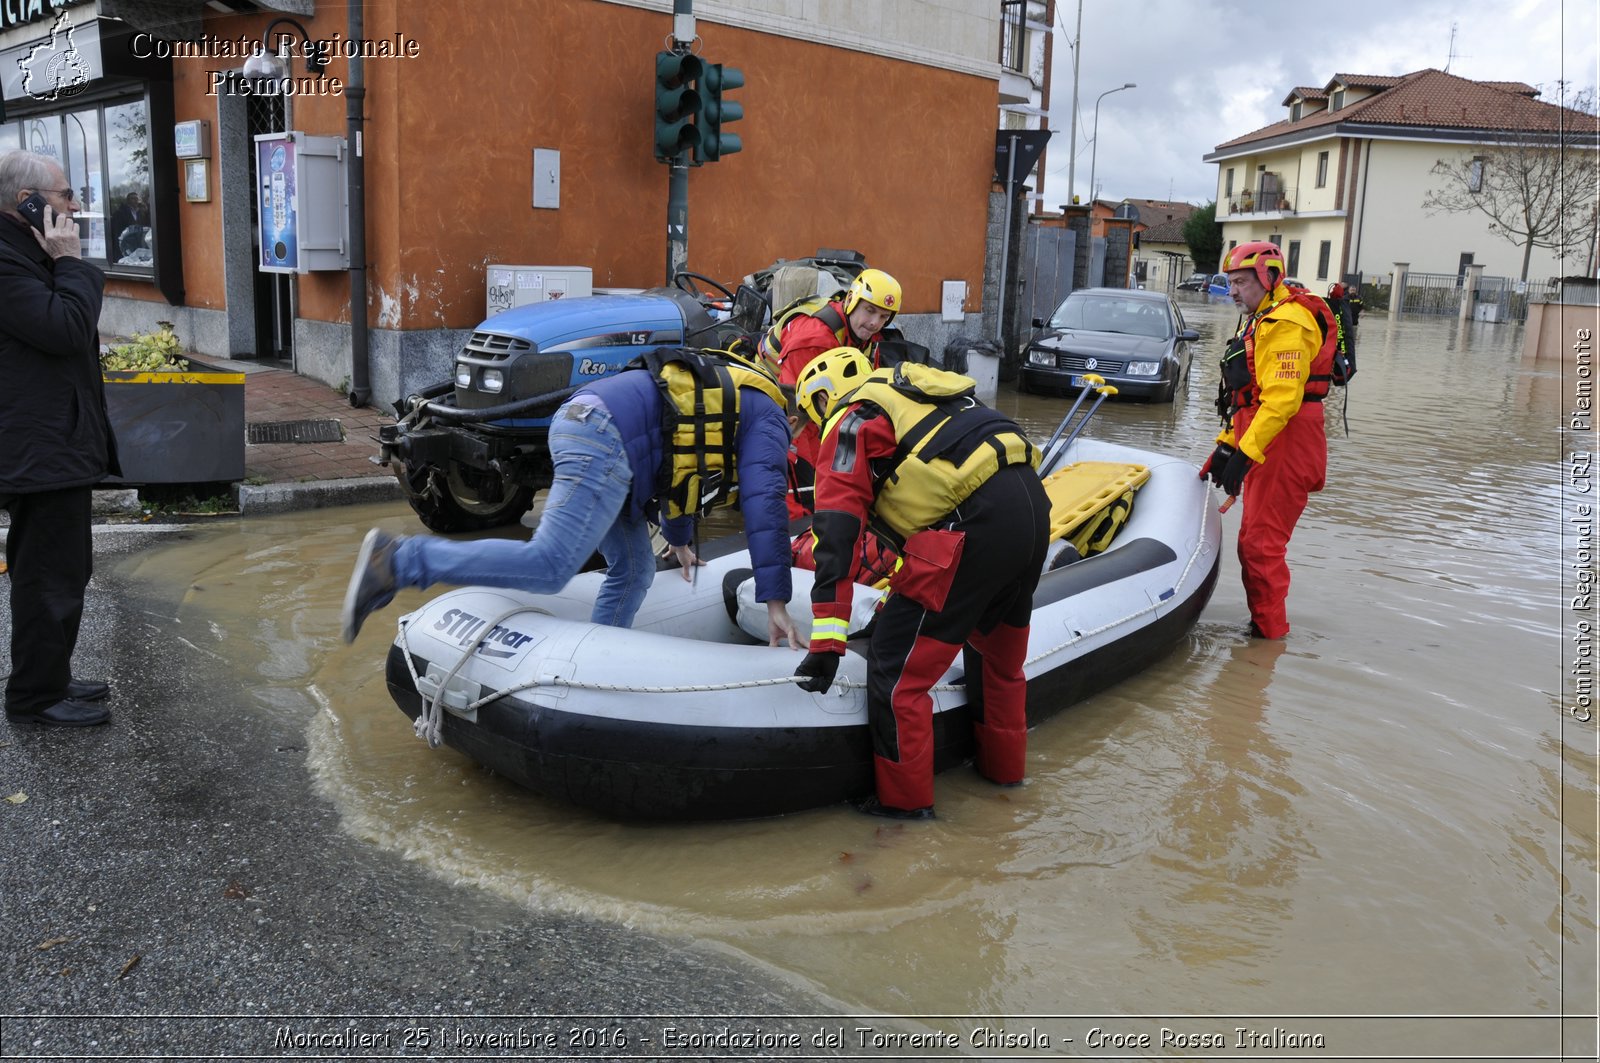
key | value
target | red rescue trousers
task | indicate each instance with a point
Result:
(1274, 495)
(987, 610)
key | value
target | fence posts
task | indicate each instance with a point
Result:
(1397, 287)
(1469, 290)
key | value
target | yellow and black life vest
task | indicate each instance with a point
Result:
(949, 444)
(701, 389)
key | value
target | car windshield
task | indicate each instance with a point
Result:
(1111, 313)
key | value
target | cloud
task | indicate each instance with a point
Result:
(1209, 74)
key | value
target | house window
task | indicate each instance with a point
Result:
(1475, 174)
(1322, 169)
(1294, 257)
(105, 152)
(1336, 101)
(1324, 256)
(1227, 193)
(1296, 110)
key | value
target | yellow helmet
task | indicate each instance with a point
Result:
(834, 372)
(877, 288)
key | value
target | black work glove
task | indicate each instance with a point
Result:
(1232, 476)
(818, 670)
(1212, 469)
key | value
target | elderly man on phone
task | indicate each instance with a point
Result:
(55, 438)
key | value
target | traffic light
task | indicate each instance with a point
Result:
(677, 104)
(716, 111)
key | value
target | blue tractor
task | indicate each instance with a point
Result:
(471, 452)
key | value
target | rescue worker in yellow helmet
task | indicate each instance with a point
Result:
(911, 453)
(856, 320)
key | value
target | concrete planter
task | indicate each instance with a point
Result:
(178, 427)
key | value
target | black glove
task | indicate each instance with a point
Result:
(819, 670)
(1232, 476)
(1212, 469)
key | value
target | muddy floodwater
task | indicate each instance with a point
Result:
(1391, 813)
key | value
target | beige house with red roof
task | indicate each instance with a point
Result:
(1340, 183)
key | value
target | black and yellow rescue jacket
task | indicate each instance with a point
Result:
(949, 444)
(701, 421)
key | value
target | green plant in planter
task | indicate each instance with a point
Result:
(147, 352)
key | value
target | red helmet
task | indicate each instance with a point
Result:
(1260, 256)
(1336, 290)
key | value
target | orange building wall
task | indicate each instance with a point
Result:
(841, 149)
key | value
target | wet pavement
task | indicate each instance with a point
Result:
(178, 863)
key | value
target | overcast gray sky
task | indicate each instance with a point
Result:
(1208, 72)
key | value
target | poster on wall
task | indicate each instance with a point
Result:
(276, 204)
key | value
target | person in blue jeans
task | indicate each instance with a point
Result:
(608, 446)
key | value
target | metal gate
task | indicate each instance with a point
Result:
(1047, 269)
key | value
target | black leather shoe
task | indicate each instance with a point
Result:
(65, 713)
(87, 690)
(873, 807)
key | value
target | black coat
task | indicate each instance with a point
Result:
(54, 431)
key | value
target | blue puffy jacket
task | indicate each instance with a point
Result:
(761, 451)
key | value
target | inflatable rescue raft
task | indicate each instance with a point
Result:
(688, 715)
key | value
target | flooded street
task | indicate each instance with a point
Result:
(1390, 813)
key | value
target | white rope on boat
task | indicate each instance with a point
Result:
(429, 724)
(1183, 576)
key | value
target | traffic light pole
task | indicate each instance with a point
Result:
(677, 217)
(678, 169)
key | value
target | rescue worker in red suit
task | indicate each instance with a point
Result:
(1273, 452)
(856, 320)
(908, 451)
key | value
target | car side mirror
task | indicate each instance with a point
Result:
(1189, 334)
(1038, 322)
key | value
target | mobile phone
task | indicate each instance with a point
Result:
(32, 208)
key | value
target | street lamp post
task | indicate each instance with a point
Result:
(1094, 152)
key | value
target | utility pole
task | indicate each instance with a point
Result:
(1072, 141)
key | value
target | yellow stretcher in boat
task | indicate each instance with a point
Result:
(1090, 501)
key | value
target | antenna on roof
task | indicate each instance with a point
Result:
(1452, 57)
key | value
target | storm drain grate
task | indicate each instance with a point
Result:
(294, 432)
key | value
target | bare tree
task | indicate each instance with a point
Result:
(1536, 182)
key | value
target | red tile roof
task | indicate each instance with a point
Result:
(1434, 99)
(1304, 92)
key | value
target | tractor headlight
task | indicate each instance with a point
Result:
(463, 375)
(492, 381)
(1144, 368)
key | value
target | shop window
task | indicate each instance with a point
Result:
(130, 238)
(105, 153)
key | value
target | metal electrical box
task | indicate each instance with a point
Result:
(301, 200)
(514, 286)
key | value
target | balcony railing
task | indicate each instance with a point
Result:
(1254, 203)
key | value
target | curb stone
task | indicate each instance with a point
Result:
(317, 494)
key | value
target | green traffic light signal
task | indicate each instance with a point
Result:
(677, 104)
(716, 111)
